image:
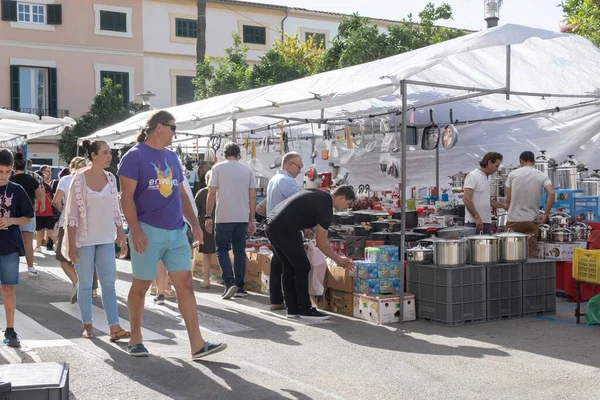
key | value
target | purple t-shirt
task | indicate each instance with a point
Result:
(158, 174)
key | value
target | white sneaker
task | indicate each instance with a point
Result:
(38, 249)
(33, 272)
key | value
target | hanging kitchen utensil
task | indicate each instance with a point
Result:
(387, 138)
(450, 134)
(431, 135)
(313, 153)
(396, 148)
(371, 145)
(360, 151)
(254, 163)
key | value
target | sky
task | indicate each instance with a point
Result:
(468, 14)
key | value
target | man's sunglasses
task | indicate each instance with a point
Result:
(173, 127)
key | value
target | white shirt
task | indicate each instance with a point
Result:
(63, 185)
(100, 217)
(478, 181)
(188, 190)
(233, 181)
(526, 185)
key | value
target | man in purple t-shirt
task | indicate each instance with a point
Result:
(154, 202)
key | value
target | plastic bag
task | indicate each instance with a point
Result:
(592, 312)
(318, 267)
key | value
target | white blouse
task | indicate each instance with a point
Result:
(100, 209)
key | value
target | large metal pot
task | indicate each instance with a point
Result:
(502, 219)
(567, 173)
(449, 253)
(546, 164)
(591, 184)
(544, 233)
(456, 232)
(482, 249)
(507, 169)
(562, 235)
(262, 181)
(420, 255)
(412, 218)
(497, 187)
(581, 231)
(513, 246)
(560, 220)
(343, 218)
(458, 180)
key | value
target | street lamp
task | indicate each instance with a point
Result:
(492, 12)
(146, 99)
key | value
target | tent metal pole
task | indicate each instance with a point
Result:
(508, 53)
(404, 93)
(456, 87)
(322, 116)
(233, 133)
(437, 170)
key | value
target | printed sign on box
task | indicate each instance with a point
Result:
(587, 209)
(539, 250)
(562, 251)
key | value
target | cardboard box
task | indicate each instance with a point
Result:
(366, 286)
(587, 209)
(253, 281)
(562, 251)
(380, 309)
(388, 270)
(382, 254)
(264, 283)
(321, 302)
(367, 270)
(339, 278)
(340, 302)
(539, 250)
(409, 313)
(389, 285)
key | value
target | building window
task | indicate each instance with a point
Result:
(32, 13)
(319, 38)
(255, 34)
(186, 28)
(184, 89)
(33, 90)
(118, 78)
(113, 21)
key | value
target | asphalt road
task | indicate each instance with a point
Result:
(271, 357)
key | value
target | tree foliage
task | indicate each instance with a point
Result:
(584, 17)
(357, 41)
(106, 109)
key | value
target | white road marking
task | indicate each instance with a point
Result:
(10, 355)
(100, 320)
(33, 334)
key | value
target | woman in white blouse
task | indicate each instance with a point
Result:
(93, 221)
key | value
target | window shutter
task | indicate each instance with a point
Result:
(9, 10)
(54, 14)
(53, 92)
(14, 87)
(125, 90)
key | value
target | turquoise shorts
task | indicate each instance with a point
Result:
(170, 246)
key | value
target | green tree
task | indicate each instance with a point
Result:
(231, 74)
(584, 17)
(359, 42)
(106, 109)
(289, 59)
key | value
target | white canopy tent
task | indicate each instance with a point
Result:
(17, 128)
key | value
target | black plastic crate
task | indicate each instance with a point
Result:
(539, 287)
(504, 291)
(448, 296)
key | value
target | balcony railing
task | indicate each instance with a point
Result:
(41, 112)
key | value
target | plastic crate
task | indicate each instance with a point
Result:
(504, 290)
(539, 287)
(586, 266)
(448, 296)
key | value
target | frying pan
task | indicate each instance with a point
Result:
(431, 135)
(450, 134)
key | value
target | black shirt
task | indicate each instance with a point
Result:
(14, 203)
(304, 210)
(29, 183)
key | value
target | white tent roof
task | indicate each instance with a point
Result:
(16, 128)
(541, 62)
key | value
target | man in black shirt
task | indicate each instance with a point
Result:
(304, 210)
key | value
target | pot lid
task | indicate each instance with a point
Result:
(569, 162)
(561, 230)
(420, 248)
(482, 236)
(449, 241)
(543, 158)
(512, 234)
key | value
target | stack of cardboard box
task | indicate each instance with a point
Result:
(258, 269)
(215, 270)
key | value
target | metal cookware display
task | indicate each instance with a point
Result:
(567, 173)
(482, 249)
(580, 231)
(361, 217)
(412, 218)
(431, 135)
(560, 220)
(409, 237)
(380, 236)
(562, 235)
(513, 246)
(450, 134)
(546, 164)
(456, 232)
(458, 180)
(379, 226)
(502, 219)
(590, 184)
(343, 218)
(544, 233)
(420, 255)
(449, 253)
(362, 230)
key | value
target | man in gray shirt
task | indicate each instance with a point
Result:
(232, 184)
(523, 192)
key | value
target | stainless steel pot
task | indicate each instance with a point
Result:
(513, 246)
(482, 249)
(546, 164)
(502, 219)
(456, 232)
(562, 235)
(581, 231)
(591, 184)
(458, 180)
(507, 169)
(262, 181)
(567, 173)
(449, 253)
(420, 255)
(544, 233)
(560, 220)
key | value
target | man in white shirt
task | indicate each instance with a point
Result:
(477, 199)
(523, 192)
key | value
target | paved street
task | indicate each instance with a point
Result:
(270, 357)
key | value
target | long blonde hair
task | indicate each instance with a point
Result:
(77, 163)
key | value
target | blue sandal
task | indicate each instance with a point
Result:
(207, 349)
(138, 350)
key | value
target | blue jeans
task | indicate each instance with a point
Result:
(9, 269)
(102, 258)
(487, 228)
(227, 236)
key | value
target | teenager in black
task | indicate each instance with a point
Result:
(304, 210)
